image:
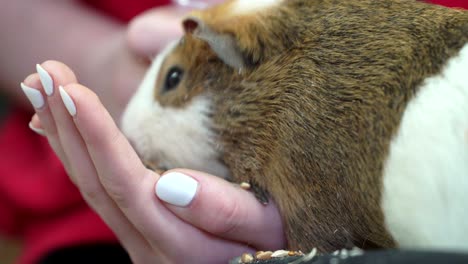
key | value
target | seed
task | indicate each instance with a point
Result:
(280, 254)
(263, 255)
(245, 185)
(343, 253)
(295, 253)
(356, 252)
(247, 258)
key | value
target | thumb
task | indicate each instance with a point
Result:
(151, 31)
(221, 208)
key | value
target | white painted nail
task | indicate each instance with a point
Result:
(176, 188)
(67, 101)
(37, 130)
(46, 80)
(34, 96)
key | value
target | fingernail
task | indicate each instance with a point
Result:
(176, 188)
(33, 95)
(46, 80)
(37, 130)
(67, 101)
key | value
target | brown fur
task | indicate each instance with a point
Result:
(311, 116)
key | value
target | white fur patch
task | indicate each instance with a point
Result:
(425, 195)
(248, 6)
(173, 137)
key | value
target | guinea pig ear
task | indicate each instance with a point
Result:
(224, 45)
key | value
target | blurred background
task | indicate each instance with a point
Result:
(9, 247)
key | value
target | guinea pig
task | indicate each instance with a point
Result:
(352, 115)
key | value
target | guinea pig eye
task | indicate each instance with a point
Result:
(173, 78)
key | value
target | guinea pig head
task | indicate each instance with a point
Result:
(169, 119)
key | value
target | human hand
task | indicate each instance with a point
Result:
(214, 220)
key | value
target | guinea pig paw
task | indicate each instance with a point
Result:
(260, 194)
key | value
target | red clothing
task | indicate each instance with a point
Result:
(37, 200)
(124, 9)
(451, 3)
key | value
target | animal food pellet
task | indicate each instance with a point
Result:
(280, 254)
(263, 255)
(305, 258)
(245, 185)
(295, 253)
(356, 252)
(247, 258)
(344, 254)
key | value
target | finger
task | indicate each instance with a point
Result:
(33, 90)
(222, 209)
(146, 39)
(62, 76)
(35, 125)
(131, 185)
(80, 162)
